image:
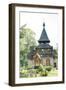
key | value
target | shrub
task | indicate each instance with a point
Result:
(48, 68)
(40, 68)
(24, 73)
(44, 73)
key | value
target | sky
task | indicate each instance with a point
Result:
(35, 21)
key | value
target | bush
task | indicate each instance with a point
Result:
(48, 68)
(40, 68)
(24, 73)
(44, 73)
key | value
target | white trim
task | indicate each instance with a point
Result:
(38, 79)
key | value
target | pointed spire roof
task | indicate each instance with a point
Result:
(44, 38)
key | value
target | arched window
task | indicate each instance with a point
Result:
(48, 61)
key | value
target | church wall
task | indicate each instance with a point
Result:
(51, 61)
(43, 61)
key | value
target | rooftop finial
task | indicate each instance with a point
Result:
(43, 25)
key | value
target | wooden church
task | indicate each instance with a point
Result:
(43, 53)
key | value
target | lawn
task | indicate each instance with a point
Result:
(53, 72)
(41, 71)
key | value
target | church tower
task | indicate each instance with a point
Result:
(44, 49)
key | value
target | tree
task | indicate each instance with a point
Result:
(27, 40)
(55, 54)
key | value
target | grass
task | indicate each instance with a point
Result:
(53, 72)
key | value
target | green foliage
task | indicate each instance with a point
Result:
(41, 68)
(55, 56)
(53, 72)
(23, 59)
(48, 68)
(27, 40)
(27, 36)
(29, 66)
(24, 73)
(40, 71)
(44, 73)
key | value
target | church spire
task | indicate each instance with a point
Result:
(44, 38)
